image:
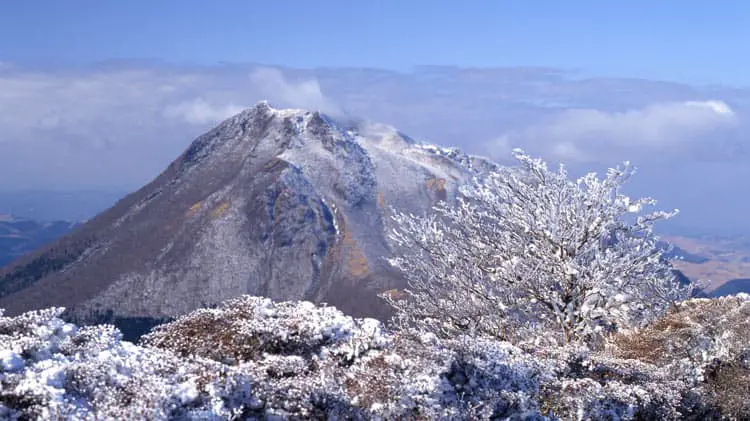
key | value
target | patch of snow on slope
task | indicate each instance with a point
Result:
(341, 162)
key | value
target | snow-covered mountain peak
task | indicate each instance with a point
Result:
(314, 131)
(265, 107)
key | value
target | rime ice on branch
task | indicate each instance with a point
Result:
(526, 251)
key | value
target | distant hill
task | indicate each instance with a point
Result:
(46, 205)
(19, 236)
(673, 252)
(732, 287)
(722, 261)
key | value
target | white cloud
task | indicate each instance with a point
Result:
(123, 102)
(718, 107)
(81, 104)
(305, 94)
(591, 134)
(121, 125)
(659, 123)
(200, 112)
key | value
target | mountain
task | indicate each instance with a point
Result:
(287, 204)
(674, 253)
(732, 287)
(19, 236)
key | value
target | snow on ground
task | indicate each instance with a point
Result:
(253, 358)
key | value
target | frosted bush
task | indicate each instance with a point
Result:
(252, 358)
(528, 251)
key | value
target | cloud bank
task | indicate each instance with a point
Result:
(118, 125)
(200, 112)
(678, 129)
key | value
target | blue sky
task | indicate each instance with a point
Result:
(104, 94)
(688, 41)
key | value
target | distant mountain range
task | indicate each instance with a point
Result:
(49, 205)
(732, 287)
(19, 236)
(286, 204)
(722, 262)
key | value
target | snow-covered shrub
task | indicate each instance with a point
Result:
(495, 379)
(419, 377)
(704, 343)
(248, 328)
(526, 250)
(301, 351)
(308, 362)
(304, 362)
(597, 386)
(51, 370)
(317, 359)
(698, 330)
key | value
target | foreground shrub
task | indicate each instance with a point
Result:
(704, 343)
(527, 251)
(252, 358)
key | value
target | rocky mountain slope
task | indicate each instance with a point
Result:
(286, 204)
(19, 236)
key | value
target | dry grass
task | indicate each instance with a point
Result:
(194, 209)
(683, 327)
(655, 343)
(370, 385)
(437, 185)
(713, 334)
(209, 335)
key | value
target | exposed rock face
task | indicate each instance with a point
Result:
(285, 204)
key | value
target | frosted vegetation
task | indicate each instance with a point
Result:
(527, 253)
(532, 297)
(254, 359)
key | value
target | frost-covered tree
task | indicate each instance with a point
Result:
(528, 249)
